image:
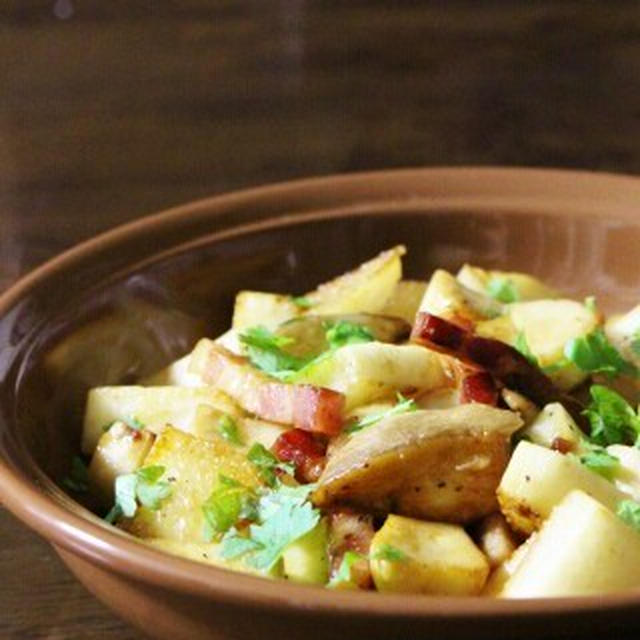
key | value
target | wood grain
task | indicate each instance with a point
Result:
(111, 110)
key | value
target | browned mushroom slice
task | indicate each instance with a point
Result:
(441, 464)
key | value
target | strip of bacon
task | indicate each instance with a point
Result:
(479, 387)
(506, 364)
(302, 405)
(304, 451)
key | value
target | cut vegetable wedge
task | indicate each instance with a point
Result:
(372, 370)
(364, 290)
(439, 464)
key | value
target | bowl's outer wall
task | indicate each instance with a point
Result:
(131, 301)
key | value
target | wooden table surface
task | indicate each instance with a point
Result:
(111, 110)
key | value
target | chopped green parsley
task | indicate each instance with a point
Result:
(503, 290)
(143, 487)
(594, 353)
(403, 405)
(612, 419)
(228, 429)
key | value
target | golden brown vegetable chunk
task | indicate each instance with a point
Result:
(440, 464)
(192, 467)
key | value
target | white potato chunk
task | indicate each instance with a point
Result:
(547, 326)
(622, 331)
(555, 428)
(368, 371)
(120, 450)
(176, 374)
(154, 407)
(523, 285)
(537, 479)
(366, 289)
(448, 298)
(265, 309)
(583, 548)
(495, 539)
(405, 300)
(626, 474)
(412, 556)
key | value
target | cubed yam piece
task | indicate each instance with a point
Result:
(268, 310)
(368, 371)
(306, 559)
(431, 558)
(120, 450)
(554, 428)
(250, 430)
(366, 289)
(405, 299)
(154, 407)
(547, 326)
(192, 466)
(495, 539)
(523, 285)
(583, 548)
(537, 479)
(440, 464)
(208, 553)
(626, 474)
(448, 298)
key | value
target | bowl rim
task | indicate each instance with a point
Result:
(457, 187)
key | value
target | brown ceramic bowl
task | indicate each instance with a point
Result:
(129, 301)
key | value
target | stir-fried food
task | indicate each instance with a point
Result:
(473, 434)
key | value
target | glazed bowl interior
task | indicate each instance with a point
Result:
(129, 302)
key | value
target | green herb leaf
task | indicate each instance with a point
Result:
(629, 511)
(78, 478)
(612, 419)
(390, 554)
(225, 506)
(403, 405)
(268, 464)
(341, 333)
(144, 487)
(600, 461)
(503, 290)
(302, 302)
(228, 429)
(522, 346)
(284, 515)
(125, 490)
(343, 574)
(235, 545)
(595, 354)
(265, 351)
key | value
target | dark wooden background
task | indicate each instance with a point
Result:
(113, 109)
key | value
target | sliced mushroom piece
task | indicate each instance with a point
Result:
(441, 464)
